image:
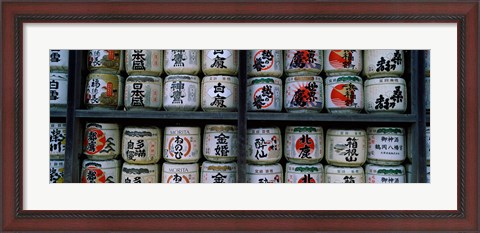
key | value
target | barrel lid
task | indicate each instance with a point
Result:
(346, 132)
(102, 125)
(344, 79)
(140, 168)
(141, 131)
(264, 80)
(220, 128)
(220, 78)
(269, 130)
(104, 75)
(385, 130)
(385, 170)
(385, 80)
(110, 163)
(330, 169)
(264, 169)
(182, 77)
(304, 129)
(175, 129)
(225, 167)
(143, 78)
(305, 78)
(302, 168)
(190, 166)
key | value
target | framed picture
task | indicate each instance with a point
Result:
(448, 29)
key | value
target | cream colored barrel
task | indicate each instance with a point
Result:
(264, 145)
(105, 61)
(182, 144)
(173, 173)
(101, 141)
(264, 173)
(220, 62)
(346, 147)
(182, 61)
(104, 91)
(302, 173)
(343, 62)
(334, 174)
(144, 62)
(181, 93)
(264, 63)
(106, 171)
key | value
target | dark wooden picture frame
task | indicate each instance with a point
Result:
(464, 14)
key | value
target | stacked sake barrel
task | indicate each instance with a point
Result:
(220, 94)
(264, 94)
(182, 144)
(58, 101)
(104, 90)
(304, 93)
(141, 145)
(385, 93)
(345, 148)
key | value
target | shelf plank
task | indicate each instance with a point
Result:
(261, 116)
(119, 114)
(58, 113)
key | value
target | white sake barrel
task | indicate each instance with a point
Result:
(173, 173)
(220, 62)
(344, 94)
(386, 95)
(141, 144)
(264, 145)
(182, 62)
(140, 173)
(300, 173)
(383, 62)
(211, 172)
(343, 62)
(304, 144)
(58, 90)
(346, 147)
(106, 61)
(264, 173)
(264, 63)
(303, 62)
(386, 145)
(101, 141)
(58, 140)
(264, 94)
(181, 93)
(303, 94)
(104, 91)
(59, 60)
(220, 143)
(144, 62)
(143, 93)
(385, 174)
(57, 168)
(182, 144)
(106, 171)
(219, 93)
(334, 174)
